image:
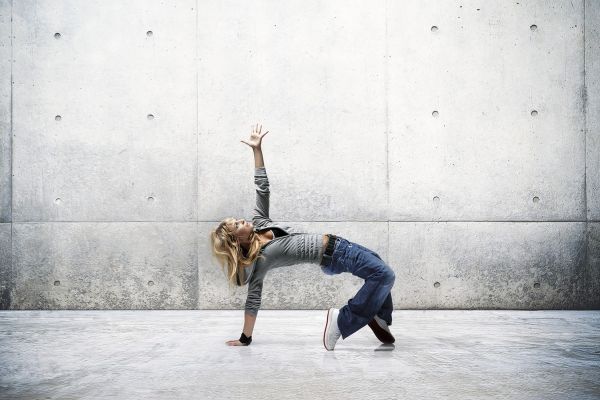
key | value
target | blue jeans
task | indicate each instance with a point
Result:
(374, 297)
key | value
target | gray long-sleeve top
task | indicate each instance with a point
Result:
(288, 246)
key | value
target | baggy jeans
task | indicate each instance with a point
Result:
(374, 297)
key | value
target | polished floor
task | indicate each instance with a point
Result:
(450, 354)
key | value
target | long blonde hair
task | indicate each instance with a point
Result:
(232, 258)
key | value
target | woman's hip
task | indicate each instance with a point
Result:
(352, 257)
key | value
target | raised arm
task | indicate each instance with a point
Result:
(261, 211)
(263, 193)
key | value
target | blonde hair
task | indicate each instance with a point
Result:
(232, 258)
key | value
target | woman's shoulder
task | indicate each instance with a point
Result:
(275, 225)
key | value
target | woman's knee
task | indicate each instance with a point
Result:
(389, 276)
(385, 275)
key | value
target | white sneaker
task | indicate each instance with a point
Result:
(381, 330)
(332, 332)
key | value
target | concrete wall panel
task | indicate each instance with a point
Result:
(592, 82)
(5, 111)
(318, 86)
(104, 159)
(591, 278)
(484, 70)
(6, 270)
(137, 265)
(489, 265)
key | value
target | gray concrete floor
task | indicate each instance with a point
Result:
(182, 354)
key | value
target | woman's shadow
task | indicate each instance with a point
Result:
(385, 347)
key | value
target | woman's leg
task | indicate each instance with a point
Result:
(372, 298)
(385, 312)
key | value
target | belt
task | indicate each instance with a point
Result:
(328, 253)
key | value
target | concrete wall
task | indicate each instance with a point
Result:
(460, 140)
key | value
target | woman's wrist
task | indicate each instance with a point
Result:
(258, 157)
(245, 339)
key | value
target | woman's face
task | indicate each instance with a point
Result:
(242, 229)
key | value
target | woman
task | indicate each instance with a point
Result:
(248, 250)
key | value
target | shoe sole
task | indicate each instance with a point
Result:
(325, 331)
(383, 335)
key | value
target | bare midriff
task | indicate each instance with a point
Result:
(325, 241)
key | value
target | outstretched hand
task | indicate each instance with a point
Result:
(234, 343)
(255, 140)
